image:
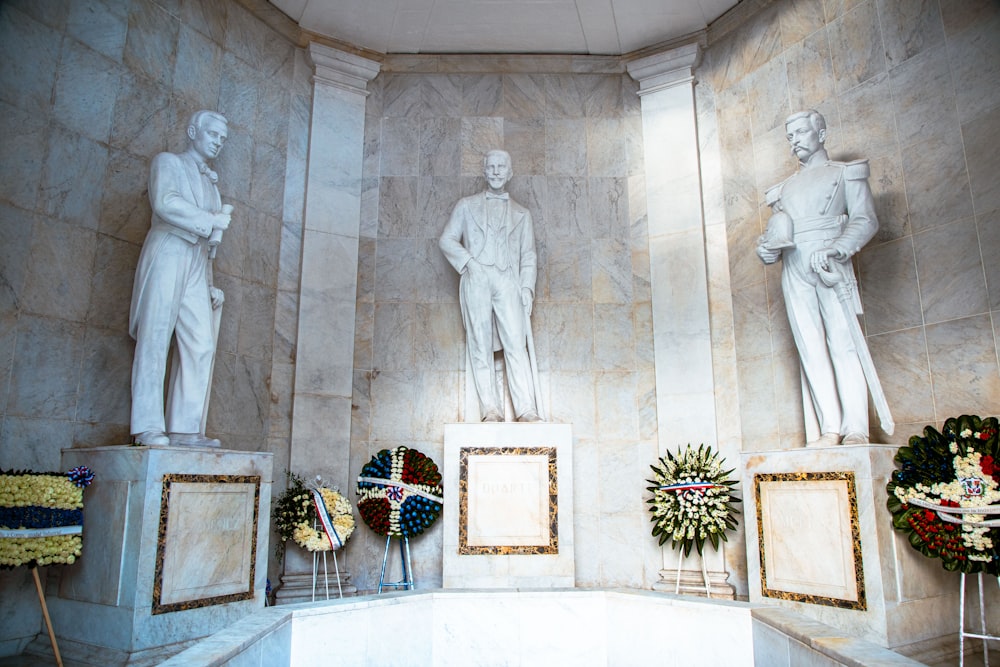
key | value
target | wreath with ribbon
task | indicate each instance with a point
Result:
(41, 516)
(692, 499)
(955, 468)
(399, 492)
(315, 517)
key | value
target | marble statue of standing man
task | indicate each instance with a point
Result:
(490, 241)
(822, 215)
(173, 297)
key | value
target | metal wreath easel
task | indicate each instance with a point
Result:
(953, 515)
(406, 583)
(326, 576)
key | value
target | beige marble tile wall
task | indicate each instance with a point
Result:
(913, 87)
(89, 92)
(573, 129)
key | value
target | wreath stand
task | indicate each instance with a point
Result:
(950, 515)
(45, 613)
(704, 574)
(326, 576)
(406, 583)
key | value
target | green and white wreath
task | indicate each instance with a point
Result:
(956, 468)
(692, 499)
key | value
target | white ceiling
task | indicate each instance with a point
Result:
(596, 27)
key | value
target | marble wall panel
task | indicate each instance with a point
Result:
(71, 178)
(988, 225)
(105, 398)
(29, 51)
(800, 20)
(22, 437)
(903, 368)
(268, 183)
(400, 147)
(868, 126)
(963, 367)
(440, 152)
(61, 254)
(605, 150)
(125, 209)
(21, 159)
(438, 337)
(482, 94)
(951, 278)
(909, 29)
(768, 93)
(526, 138)
(16, 226)
(923, 96)
(981, 136)
(612, 272)
(888, 277)
(524, 95)
(252, 41)
(198, 70)
(975, 62)
(111, 283)
(143, 117)
(262, 253)
(886, 181)
(151, 42)
(100, 25)
(85, 91)
(856, 37)
(565, 153)
(46, 371)
(618, 418)
(257, 319)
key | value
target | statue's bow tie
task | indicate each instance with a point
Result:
(502, 195)
(203, 168)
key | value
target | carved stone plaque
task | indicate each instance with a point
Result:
(207, 541)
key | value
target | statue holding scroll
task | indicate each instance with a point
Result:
(173, 298)
(490, 241)
(821, 216)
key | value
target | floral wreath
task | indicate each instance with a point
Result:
(297, 517)
(692, 499)
(41, 516)
(399, 492)
(955, 468)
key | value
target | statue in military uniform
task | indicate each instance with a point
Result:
(823, 215)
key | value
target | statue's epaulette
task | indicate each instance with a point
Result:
(773, 194)
(855, 170)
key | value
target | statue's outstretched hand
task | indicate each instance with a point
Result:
(527, 300)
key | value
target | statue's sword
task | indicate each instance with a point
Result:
(845, 294)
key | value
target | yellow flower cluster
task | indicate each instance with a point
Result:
(16, 551)
(54, 491)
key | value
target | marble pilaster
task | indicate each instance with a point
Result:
(321, 410)
(685, 387)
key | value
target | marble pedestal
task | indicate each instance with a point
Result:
(508, 510)
(174, 549)
(820, 541)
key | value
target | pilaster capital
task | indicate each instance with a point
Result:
(340, 69)
(665, 69)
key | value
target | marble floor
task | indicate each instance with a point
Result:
(973, 659)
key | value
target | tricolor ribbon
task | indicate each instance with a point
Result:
(324, 520)
(688, 486)
(389, 484)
